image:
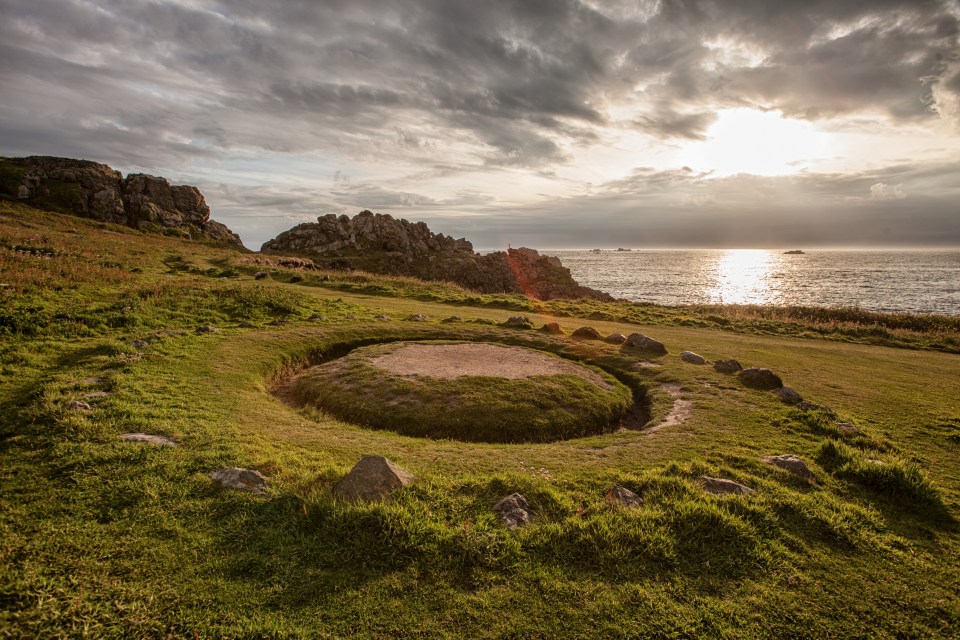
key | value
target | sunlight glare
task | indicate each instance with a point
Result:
(761, 143)
(744, 276)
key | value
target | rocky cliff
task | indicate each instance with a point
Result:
(93, 190)
(382, 244)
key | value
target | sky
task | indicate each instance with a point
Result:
(545, 123)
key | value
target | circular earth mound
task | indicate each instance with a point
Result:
(477, 392)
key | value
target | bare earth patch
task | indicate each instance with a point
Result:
(457, 360)
(681, 411)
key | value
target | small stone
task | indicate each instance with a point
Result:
(553, 328)
(623, 496)
(484, 321)
(793, 464)
(514, 511)
(96, 395)
(79, 405)
(788, 396)
(244, 479)
(727, 366)
(758, 378)
(641, 342)
(587, 333)
(692, 358)
(91, 381)
(417, 317)
(316, 317)
(206, 328)
(848, 428)
(721, 486)
(138, 344)
(381, 317)
(260, 275)
(813, 406)
(278, 322)
(452, 319)
(518, 322)
(373, 478)
(147, 438)
(615, 338)
(246, 325)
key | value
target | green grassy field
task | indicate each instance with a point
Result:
(105, 538)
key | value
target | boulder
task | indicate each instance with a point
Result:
(138, 344)
(788, 396)
(646, 344)
(692, 358)
(552, 328)
(417, 317)
(518, 322)
(727, 366)
(452, 319)
(243, 479)
(91, 190)
(246, 324)
(373, 478)
(847, 428)
(793, 464)
(206, 328)
(514, 511)
(721, 486)
(623, 497)
(316, 317)
(96, 395)
(381, 316)
(615, 338)
(260, 275)
(157, 441)
(587, 333)
(758, 378)
(79, 405)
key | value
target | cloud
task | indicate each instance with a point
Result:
(420, 99)
(881, 191)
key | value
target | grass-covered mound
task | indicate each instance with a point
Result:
(475, 392)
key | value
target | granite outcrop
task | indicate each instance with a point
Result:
(93, 190)
(380, 243)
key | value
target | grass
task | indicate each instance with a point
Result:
(104, 538)
(540, 408)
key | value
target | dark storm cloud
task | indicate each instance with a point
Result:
(518, 78)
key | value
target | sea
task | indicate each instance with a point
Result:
(877, 280)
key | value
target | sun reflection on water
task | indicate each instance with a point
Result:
(745, 276)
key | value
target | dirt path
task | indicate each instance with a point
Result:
(681, 411)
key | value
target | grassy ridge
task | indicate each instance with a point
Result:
(104, 538)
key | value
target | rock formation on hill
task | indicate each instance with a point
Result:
(379, 243)
(92, 190)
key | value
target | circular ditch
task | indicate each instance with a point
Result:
(470, 391)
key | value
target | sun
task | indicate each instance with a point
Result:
(762, 143)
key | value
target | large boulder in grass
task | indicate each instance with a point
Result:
(788, 396)
(727, 366)
(646, 344)
(793, 464)
(615, 338)
(514, 510)
(722, 486)
(692, 358)
(757, 378)
(624, 497)
(243, 479)
(587, 333)
(373, 478)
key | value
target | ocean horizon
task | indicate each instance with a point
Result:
(889, 280)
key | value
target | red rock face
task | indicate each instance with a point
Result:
(92, 190)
